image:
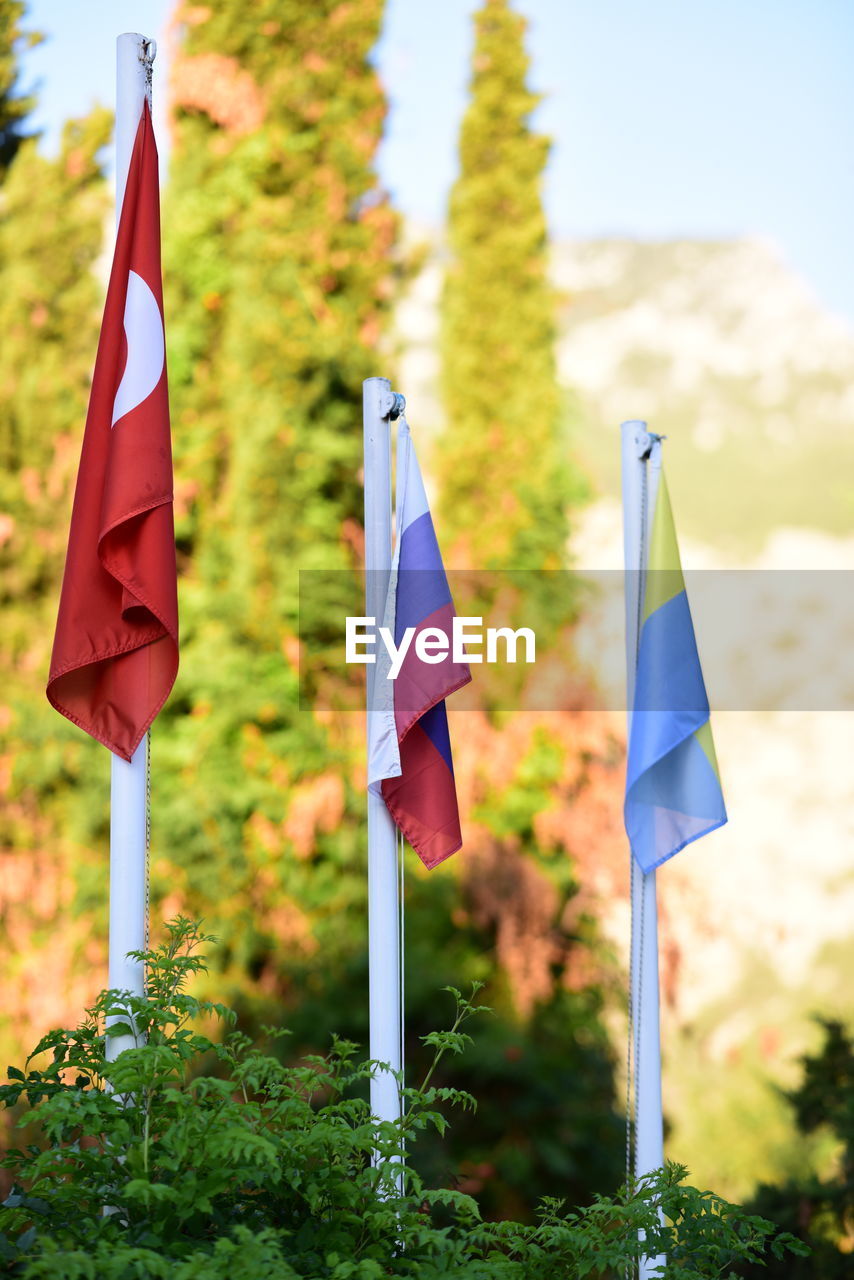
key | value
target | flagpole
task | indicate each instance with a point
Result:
(128, 780)
(380, 406)
(641, 469)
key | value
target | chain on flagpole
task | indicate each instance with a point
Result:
(147, 921)
(401, 964)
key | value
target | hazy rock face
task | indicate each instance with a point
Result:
(773, 882)
(718, 345)
(722, 348)
(699, 312)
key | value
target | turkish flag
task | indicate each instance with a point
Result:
(115, 652)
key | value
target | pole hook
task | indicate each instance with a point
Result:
(398, 406)
(147, 54)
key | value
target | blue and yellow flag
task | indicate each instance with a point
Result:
(673, 789)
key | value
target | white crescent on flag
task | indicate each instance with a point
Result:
(143, 326)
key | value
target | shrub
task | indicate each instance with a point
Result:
(190, 1157)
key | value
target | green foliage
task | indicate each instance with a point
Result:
(280, 269)
(279, 284)
(280, 272)
(546, 1117)
(151, 1165)
(543, 1070)
(819, 1209)
(279, 277)
(504, 441)
(51, 225)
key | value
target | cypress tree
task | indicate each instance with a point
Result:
(278, 258)
(279, 277)
(278, 269)
(504, 482)
(14, 106)
(52, 218)
(279, 281)
(506, 487)
(51, 232)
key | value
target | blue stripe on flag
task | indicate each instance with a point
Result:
(435, 724)
(670, 696)
(673, 794)
(674, 802)
(422, 587)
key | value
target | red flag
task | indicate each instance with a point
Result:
(115, 652)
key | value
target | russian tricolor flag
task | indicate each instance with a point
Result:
(409, 747)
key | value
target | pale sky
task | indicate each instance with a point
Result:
(714, 118)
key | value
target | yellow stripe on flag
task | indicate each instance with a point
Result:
(664, 568)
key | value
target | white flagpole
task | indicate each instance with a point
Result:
(380, 406)
(128, 781)
(641, 468)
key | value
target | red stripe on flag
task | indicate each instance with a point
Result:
(423, 801)
(420, 685)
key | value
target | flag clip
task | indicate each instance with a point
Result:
(147, 54)
(645, 441)
(393, 405)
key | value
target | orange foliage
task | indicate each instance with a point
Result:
(508, 893)
(217, 85)
(193, 14)
(186, 492)
(509, 890)
(63, 466)
(31, 485)
(316, 805)
(37, 890)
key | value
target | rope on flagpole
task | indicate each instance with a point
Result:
(401, 966)
(147, 921)
(637, 998)
(147, 54)
(397, 413)
(630, 1046)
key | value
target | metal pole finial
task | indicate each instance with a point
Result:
(644, 439)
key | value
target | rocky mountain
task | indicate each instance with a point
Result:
(718, 345)
(723, 349)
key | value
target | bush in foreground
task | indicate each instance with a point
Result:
(191, 1158)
